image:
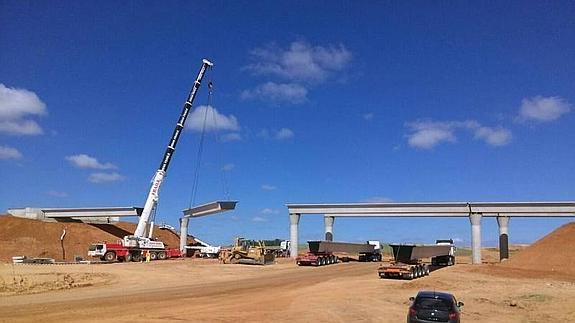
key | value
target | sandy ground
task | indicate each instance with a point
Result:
(205, 291)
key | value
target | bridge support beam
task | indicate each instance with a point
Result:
(328, 221)
(293, 228)
(475, 219)
(503, 222)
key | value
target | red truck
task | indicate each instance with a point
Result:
(118, 252)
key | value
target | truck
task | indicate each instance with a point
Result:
(445, 260)
(204, 249)
(408, 262)
(133, 247)
(323, 253)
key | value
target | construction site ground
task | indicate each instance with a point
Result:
(537, 284)
(206, 291)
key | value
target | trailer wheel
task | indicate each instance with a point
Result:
(162, 255)
(136, 256)
(336, 259)
(128, 257)
(110, 256)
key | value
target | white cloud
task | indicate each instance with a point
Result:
(300, 61)
(228, 167)
(493, 136)
(368, 116)
(229, 137)
(284, 133)
(15, 106)
(214, 121)
(543, 109)
(57, 194)
(9, 153)
(267, 187)
(277, 92)
(105, 177)
(85, 161)
(428, 134)
(269, 211)
(259, 219)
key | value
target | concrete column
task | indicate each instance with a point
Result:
(328, 221)
(183, 234)
(293, 233)
(503, 222)
(475, 219)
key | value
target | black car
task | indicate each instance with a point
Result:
(432, 307)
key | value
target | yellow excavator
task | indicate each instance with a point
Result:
(244, 252)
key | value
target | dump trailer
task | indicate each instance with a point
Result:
(407, 260)
(323, 252)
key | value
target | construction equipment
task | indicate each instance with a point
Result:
(244, 253)
(132, 247)
(407, 260)
(204, 249)
(445, 260)
(322, 252)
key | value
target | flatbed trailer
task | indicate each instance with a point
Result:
(322, 252)
(407, 263)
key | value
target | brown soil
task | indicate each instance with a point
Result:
(553, 253)
(25, 237)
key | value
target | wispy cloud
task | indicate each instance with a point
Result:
(86, 161)
(212, 119)
(105, 177)
(259, 219)
(277, 92)
(300, 61)
(293, 69)
(16, 106)
(7, 152)
(228, 167)
(368, 116)
(282, 134)
(268, 211)
(543, 109)
(267, 187)
(229, 137)
(428, 134)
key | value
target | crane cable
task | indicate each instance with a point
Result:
(224, 181)
(201, 145)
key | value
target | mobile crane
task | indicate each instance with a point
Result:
(132, 247)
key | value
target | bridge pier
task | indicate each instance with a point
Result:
(328, 222)
(184, 234)
(475, 219)
(503, 223)
(293, 228)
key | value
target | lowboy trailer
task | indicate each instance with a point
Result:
(322, 252)
(408, 264)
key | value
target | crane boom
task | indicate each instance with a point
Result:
(152, 198)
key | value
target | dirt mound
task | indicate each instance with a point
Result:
(34, 238)
(555, 253)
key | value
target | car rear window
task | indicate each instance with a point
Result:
(429, 303)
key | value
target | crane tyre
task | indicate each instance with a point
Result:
(110, 256)
(128, 257)
(136, 256)
(162, 255)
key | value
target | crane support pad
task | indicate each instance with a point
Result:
(331, 246)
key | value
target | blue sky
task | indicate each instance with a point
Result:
(313, 102)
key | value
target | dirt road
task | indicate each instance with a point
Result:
(204, 291)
